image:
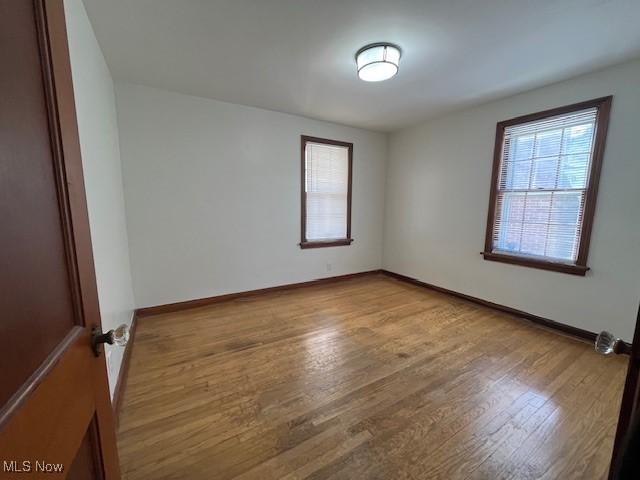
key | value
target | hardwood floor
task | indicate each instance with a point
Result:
(368, 378)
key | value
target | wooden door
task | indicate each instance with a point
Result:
(623, 460)
(55, 409)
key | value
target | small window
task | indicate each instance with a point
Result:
(326, 192)
(544, 186)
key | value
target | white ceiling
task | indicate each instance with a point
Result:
(296, 56)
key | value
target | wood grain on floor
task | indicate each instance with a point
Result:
(368, 378)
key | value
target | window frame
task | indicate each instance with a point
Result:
(304, 243)
(603, 105)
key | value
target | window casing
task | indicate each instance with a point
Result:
(326, 192)
(544, 186)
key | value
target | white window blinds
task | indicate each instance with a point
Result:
(542, 184)
(326, 186)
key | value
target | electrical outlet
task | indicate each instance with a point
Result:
(328, 267)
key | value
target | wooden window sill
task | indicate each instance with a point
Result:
(535, 263)
(326, 243)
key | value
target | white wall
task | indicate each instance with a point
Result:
(213, 196)
(213, 207)
(437, 192)
(97, 125)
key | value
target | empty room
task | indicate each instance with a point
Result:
(339, 239)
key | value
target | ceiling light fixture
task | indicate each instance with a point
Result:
(377, 62)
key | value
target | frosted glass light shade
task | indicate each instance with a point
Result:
(377, 62)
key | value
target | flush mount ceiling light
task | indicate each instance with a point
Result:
(377, 62)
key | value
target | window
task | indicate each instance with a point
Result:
(326, 192)
(544, 186)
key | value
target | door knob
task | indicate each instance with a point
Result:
(118, 336)
(607, 343)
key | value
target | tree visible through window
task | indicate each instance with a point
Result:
(546, 169)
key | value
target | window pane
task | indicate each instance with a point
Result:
(513, 207)
(510, 241)
(327, 169)
(574, 171)
(562, 242)
(578, 139)
(326, 216)
(544, 173)
(326, 186)
(537, 208)
(543, 177)
(522, 148)
(548, 143)
(517, 175)
(534, 238)
(566, 208)
(511, 212)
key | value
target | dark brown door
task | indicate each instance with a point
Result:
(55, 410)
(630, 405)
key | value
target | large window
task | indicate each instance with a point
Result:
(326, 192)
(544, 186)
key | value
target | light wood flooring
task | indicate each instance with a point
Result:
(367, 378)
